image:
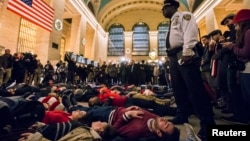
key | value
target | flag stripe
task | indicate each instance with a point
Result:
(39, 13)
(39, 5)
(27, 13)
(29, 18)
(46, 7)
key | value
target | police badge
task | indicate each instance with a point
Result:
(187, 17)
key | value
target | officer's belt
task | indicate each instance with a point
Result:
(173, 51)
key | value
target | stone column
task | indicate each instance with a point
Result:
(246, 4)
(211, 21)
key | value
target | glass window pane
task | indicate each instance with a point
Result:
(162, 33)
(140, 39)
(116, 40)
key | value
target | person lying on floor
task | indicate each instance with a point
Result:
(131, 90)
(71, 130)
(161, 108)
(18, 90)
(59, 116)
(158, 106)
(50, 102)
(53, 109)
(113, 97)
(117, 117)
(98, 113)
(134, 123)
(116, 92)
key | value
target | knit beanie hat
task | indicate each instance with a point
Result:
(54, 104)
(242, 15)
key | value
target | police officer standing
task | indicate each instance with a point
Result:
(188, 88)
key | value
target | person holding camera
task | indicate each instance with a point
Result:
(241, 48)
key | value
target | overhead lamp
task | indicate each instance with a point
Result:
(152, 55)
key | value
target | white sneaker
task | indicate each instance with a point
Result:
(191, 135)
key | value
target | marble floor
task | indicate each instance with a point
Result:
(194, 121)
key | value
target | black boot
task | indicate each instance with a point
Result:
(72, 99)
(66, 101)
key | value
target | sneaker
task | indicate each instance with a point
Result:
(179, 120)
(234, 120)
(191, 135)
(66, 101)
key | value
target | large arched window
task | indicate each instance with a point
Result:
(140, 39)
(116, 40)
(162, 33)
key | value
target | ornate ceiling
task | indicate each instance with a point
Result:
(130, 12)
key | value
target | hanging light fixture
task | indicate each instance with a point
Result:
(152, 54)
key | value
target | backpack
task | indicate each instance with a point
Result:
(27, 113)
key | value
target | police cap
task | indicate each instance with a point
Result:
(171, 3)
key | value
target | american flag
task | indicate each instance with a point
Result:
(35, 11)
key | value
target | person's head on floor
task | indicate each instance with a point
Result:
(165, 129)
(94, 101)
(77, 115)
(170, 7)
(105, 130)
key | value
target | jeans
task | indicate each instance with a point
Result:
(12, 102)
(245, 83)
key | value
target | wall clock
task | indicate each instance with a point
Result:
(58, 25)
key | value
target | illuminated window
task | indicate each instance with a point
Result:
(27, 37)
(140, 39)
(116, 40)
(162, 33)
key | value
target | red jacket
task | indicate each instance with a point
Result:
(106, 94)
(52, 117)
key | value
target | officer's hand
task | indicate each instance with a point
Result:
(186, 59)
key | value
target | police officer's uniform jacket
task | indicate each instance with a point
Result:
(183, 32)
